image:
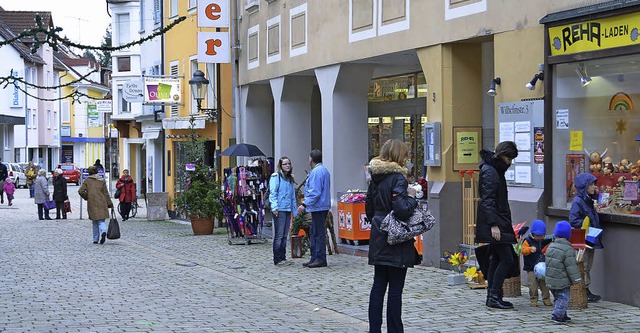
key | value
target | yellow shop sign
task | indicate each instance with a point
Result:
(595, 35)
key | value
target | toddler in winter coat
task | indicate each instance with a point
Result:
(9, 188)
(561, 271)
(532, 253)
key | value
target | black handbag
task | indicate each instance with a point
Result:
(117, 194)
(113, 232)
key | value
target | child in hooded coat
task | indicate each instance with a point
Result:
(581, 207)
(9, 188)
(562, 271)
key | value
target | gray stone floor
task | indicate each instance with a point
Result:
(160, 278)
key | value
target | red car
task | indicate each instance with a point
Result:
(71, 173)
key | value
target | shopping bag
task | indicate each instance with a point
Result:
(49, 204)
(67, 206)
(113, 232)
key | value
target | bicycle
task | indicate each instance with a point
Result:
(134, 208)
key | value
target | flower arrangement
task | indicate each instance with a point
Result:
(457, 259)
(471, 273)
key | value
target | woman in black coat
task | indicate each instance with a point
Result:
(60, 193)
(493, 221)
(388, 190)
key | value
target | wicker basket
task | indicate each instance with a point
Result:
(578, 297)
(512, 287)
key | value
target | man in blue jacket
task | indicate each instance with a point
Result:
(317, 201)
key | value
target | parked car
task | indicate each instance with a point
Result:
(15, 173)
(71, 173)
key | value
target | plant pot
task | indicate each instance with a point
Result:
(456, 279)
(201, 225)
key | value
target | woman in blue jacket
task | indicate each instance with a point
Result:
(282, 198)
(581, 207)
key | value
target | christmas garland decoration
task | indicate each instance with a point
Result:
(13, 79)
(52, 37)
(75, 95)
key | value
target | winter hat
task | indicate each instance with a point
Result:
(538, 228)
(563, 230)
(8, 180)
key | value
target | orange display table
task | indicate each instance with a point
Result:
(352, 223)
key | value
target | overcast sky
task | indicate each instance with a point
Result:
(82, 21)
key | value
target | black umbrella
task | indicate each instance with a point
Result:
(242, 149)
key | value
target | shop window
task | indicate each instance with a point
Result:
(407, 129)
(394, 88)
(593, 119)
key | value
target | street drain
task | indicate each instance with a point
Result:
(187, 264)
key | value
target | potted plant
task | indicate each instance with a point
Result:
(199, 201)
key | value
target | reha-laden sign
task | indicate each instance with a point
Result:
(595, 35)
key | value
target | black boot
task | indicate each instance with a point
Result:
(494, 301)
(503, 302)
(591, 297)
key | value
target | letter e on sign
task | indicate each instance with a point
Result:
(214, 13)
(213, 47)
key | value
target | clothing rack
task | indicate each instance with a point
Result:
(243, 201)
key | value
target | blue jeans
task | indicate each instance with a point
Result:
(281, 225)
(99, 226)
(317, 237)
(394, 278)
(561, 301)
(31, 190)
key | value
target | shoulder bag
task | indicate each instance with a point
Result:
(113, 232)
(399, 231)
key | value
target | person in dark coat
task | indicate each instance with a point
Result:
(388, 190)
(581, 207)
(60, 193)
(98, 165)
(127, 188)
(493, 221)
(3, 175)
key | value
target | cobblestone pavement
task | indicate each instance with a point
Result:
(160, 278)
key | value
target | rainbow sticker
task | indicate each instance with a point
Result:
(620, 102)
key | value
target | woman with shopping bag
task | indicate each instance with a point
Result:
(94, 191)
(41, 195)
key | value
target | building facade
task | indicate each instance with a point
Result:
(343, 76)
(181, 61)
(35, 141)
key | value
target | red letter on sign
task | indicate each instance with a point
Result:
(211, 9)
(211, 46)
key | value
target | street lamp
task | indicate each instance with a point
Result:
(199, 85)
